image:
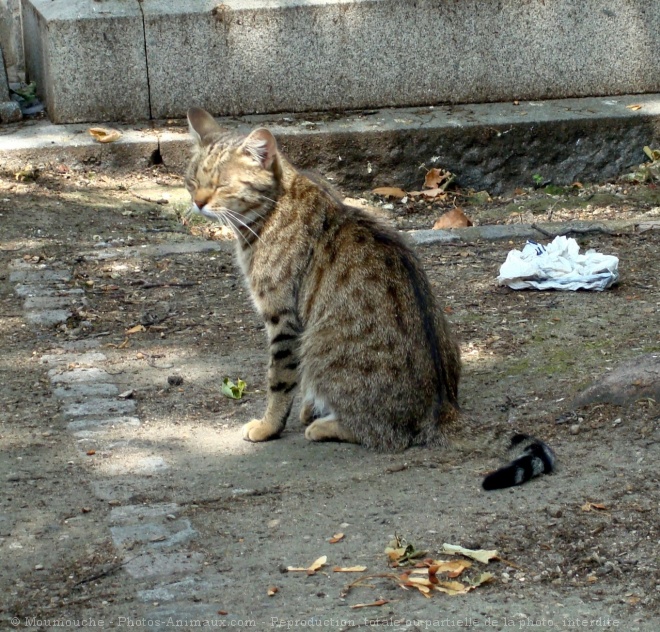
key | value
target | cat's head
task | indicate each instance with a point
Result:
(231, 176)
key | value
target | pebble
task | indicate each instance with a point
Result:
(574, 429)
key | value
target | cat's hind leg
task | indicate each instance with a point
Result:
(329, 428)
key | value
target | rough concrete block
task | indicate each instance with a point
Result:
(51, 302)
(156, 534)
(100, 406)
(80, 391)
(34, 276)
(87, 428)
(10, 112)
(244, 56)
(164, 564)
(88, 59)
(78, 376)
(91, 357)
(47, 317)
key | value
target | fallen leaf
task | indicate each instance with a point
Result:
(394, 192)
(27, 174)
(452, 588)
(435, 177)
(484, 578)
(577, 185)
(349, 569)
(591, 506)
(653, 154)
(222, 612)
(312, 568)
(91, 452)
(231, 390)
(103, 135)
(480, 555)
(380, 602)
(429, 193)
(453, 568)
(634, 108)
(337, 537)
(136, 329)
(455, 218)
(272, 590)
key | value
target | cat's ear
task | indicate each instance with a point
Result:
(201, 125)
(262, 146)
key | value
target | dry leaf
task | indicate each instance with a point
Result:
(380, 602)
(91, 452)
(484, 578)
(429, 193)
(452, 588)
(634, 108)
(349, 569)
(453, 568)
(135, 330)
(455, 218)
(272, 590)
(435, 177)
(103, 135)
(337, 537)
(394, 192)
(591, 506)
(480, 555)
(312, 568)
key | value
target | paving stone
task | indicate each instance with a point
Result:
(56, 289)
(129, 514)
(162, 534)
(156, 564)
(95, 425)
(38, 276)
(92, 389)
(99, 406)
(144, 466)
(77, 376)
(71, 358)
(48, 317)
(52, 302)
(186, 588)
(112, 490)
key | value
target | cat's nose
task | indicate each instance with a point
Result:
(201, 202)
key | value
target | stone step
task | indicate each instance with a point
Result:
(135, 60)
(492, 146)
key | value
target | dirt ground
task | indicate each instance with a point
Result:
(576, 549)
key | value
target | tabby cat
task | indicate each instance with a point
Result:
(349, 312)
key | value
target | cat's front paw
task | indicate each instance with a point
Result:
(259, 430)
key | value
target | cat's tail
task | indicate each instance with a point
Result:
(535, 458)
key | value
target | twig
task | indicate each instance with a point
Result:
(104, 573)
(161, 201)
(148, 286)
(359, 581)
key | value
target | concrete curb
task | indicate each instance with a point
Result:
(488, 146)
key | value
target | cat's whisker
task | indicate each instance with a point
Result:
(235, 216)
(228, 221)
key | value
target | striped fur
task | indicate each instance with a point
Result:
(350, 315)
(535, 458)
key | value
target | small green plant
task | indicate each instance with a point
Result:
(538, 179)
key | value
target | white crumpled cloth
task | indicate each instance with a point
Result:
(558, 266)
